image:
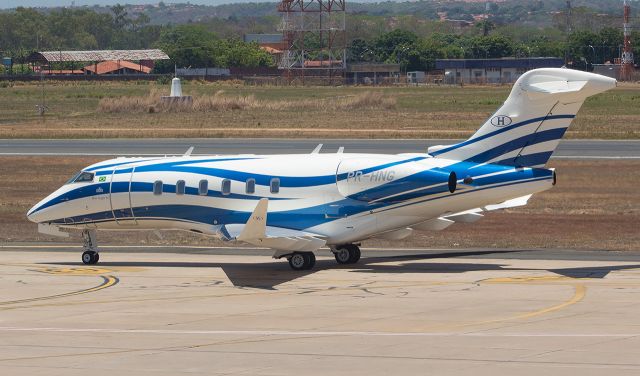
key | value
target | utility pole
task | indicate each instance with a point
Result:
(569, 30)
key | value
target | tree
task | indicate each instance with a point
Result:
(387, 43)
(361, 50)
(578, 45)
(485, 26)
(120, 20)
(609, 40)
(193, 46)
(493, 46)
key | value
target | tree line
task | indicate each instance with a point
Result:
(26, 30)
(408, 40)
(581, 49)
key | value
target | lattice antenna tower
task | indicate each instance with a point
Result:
(627, 52)
(314, 38)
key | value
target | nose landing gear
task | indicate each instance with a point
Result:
(90, 255)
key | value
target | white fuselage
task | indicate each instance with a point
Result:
(342, 197)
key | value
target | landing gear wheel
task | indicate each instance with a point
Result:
(90, 257)
(342, 255)
(347, 254)
(302, 260)
(354, 253)
(311, 257)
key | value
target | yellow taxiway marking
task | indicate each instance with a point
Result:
(107, 281)
(74, 271)
(529, 279)
(580, 291)
(579, 294)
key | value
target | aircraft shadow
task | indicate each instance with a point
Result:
(592, 271)
(268, 275)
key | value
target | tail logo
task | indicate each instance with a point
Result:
(501, 121)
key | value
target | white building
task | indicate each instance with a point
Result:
(495, 71)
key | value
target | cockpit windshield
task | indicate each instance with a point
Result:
(81, 177)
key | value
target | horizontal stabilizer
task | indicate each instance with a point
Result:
(555, 86)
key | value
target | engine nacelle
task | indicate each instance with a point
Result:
(378, 180)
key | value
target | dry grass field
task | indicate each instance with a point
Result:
(595, 205)
(233, 109)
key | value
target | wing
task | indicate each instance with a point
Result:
(469, 216)
(283, 240)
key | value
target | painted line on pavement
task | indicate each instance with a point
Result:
(308, 333)
(107, 281)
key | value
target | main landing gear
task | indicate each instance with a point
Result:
(90, 255)
(302, 260)
(344, 254)
(347, 253)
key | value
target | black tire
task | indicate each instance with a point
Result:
(298, 261)
(354, 253)
(311, 259)
(342, 255)
(90, 257)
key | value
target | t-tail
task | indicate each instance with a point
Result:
(527, 128)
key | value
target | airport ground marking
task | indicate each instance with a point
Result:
(313, 333)
(580, 291)
(107, 281)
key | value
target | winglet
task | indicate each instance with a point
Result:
(256, 226)
(317, 149)
(188, 152)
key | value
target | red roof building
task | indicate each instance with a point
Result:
(117, 67)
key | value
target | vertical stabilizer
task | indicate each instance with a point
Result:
(528, 127)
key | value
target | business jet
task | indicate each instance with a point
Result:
(295, 204)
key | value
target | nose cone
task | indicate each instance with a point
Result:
(32, 215)
(41, 212)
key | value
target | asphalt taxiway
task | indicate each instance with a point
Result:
(577, 149)
(196, 310)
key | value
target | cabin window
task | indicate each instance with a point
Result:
(251, 186)
(157, 187)
(203, 187)
(275, 185)
(81, 177)
(226, 187)
(180, 187)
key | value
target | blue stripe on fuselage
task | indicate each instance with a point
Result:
(298, 219)
(499, 131)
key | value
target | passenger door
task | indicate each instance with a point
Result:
(120, 196)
